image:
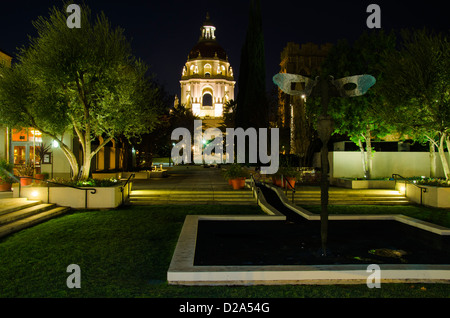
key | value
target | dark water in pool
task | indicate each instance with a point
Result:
(299, 243)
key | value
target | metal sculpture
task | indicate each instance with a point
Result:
(324, 88)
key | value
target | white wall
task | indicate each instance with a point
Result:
(61, 166)
(348, 164)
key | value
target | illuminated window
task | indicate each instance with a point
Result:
(19, 155)
(19, 135)
(26, 134)
(207, 70)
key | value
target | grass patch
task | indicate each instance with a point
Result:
(126, 253)
(433, 215)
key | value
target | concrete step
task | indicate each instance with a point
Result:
(16, 204)
(31, 220)
(165, 196)
(183, 198)
(23, 213)
(340, 196)
(188, 192)
(192, 202)
(149, 197)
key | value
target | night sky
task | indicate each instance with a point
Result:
(163, 32)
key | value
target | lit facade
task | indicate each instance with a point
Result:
(207, 80)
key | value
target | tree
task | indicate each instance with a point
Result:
(82, 80)
(251, 101)
(251, 108)
(416, 89)
(359, 118)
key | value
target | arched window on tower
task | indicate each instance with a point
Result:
(207, 70)
(207, 99)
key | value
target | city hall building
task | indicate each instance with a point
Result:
(207, 80)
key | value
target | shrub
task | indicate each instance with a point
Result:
(86, 183)
(6, 172)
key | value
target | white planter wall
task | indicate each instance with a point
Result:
(438, 197)
(348, 164)
(104, 198)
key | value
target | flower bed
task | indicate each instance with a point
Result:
(108, 194)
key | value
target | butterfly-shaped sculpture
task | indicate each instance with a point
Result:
(350, 86)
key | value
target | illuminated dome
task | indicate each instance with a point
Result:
(207, 49)
(207, 46)
(207, 80)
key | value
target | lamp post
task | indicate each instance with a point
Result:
(324, 88)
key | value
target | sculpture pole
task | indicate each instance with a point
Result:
(325, 129)
(325, 88)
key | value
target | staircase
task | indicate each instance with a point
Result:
(151, 197)
(342, 196)
(20, 213)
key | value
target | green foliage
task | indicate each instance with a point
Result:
(289, 172)
(126, 252)
(355, 116)
(107, 182)
(83, 79)
(41, 150)
(229, 114)
(416, 89)
(252, 106)
(234, 171)
(416, 84)
(26, 170)
(6, 172)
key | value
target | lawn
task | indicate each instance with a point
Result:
(126, 252)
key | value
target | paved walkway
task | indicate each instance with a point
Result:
(186, 178)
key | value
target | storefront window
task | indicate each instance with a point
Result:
(25, 144)
(19, 155)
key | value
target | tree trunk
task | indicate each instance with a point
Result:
(443, 156)
(432, 160)
(324, 197)
(363, 157)
(368, 172)
(86, 168)
(69, 155)
(88, 155)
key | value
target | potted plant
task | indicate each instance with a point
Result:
(290, 174)
(236, 175)
(6, 175)
(39, 153)
(276, 179)
(25, 170)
